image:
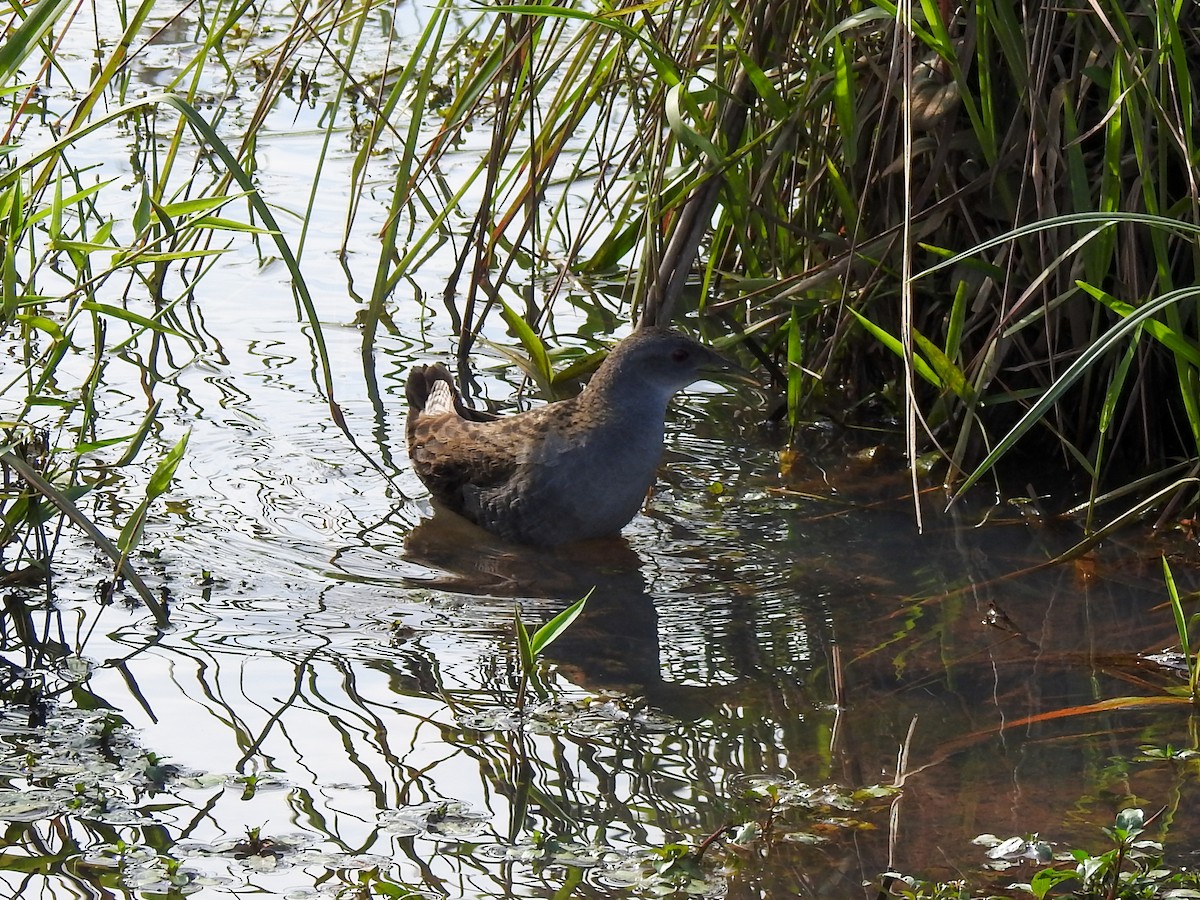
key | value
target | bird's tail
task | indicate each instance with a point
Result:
(431, 389)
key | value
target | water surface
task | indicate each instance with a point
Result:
(335, 703)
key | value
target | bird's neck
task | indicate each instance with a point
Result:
(619, 384)
(626, 398)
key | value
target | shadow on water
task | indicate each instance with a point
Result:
(612, 645)
(782, 666)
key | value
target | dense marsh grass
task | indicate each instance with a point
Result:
(983, 219)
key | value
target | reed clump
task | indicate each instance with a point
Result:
(984, 219)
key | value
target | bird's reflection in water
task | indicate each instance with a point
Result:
(612, 645)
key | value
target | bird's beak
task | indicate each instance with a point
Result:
(726, 371)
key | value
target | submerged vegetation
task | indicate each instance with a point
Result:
(1132, 868)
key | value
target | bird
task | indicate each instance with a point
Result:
(567, 471)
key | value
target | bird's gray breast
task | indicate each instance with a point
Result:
(576, 484)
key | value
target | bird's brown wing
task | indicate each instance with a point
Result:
(468, 464)
(449, 454)
(444, 447)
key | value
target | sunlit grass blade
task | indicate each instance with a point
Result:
(920, 366)
(1144, 503)
(126, 315)
(160, 481)
(1183, 629)
(538, 367)
(552, 630)
(524, 644)
(1074, 219)
(530, 646)
(139, 437)
(23, 40)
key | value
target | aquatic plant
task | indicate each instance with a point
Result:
(1185, 628)
(529, 647)
(1133, 867)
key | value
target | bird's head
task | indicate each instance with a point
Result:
(660, 362)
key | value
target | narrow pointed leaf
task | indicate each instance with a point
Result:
(548, 633)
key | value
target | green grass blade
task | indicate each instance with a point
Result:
(1177, 609)
(539, 367)
(117, 312)
(1071, 220)
(844, 102)
(160, 481)
(22, 42)
(550, 632)
(524, 645)
(1168, 337)
(948, 373)
(164, 472)
(1073, 373)
(920, 366)
(139, 437)
(795, 371)
(84, 524)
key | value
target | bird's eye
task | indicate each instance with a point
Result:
(680, 354)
